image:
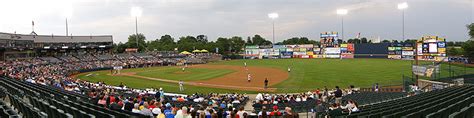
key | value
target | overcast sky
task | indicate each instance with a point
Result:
(226, 18)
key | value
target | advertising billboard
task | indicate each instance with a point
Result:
(408, 53)
(332, 50)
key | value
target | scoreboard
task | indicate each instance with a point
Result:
(431, 48)
(329, 39)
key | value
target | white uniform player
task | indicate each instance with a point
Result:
(249, 77)
(181, 87)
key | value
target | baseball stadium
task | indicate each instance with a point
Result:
(316, 75)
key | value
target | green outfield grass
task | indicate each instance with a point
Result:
(306, 74)
(309, 74)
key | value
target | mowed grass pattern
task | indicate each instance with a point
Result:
(309, 74)
(189, 74)
(133, 82)
(306, 74)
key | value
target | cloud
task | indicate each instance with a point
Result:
(226, 18)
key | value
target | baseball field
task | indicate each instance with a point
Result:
(231, 76)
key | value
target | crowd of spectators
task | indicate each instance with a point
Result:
(325, 101)
(155, 103)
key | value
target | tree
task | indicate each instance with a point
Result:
(237, 44)
(259, 40)
(314, 42)
(454, 51)
(350, 41)
(132, 42)
(188, 43)
(119, 48)
(249, 41)
(202, 39)
(363, 40)
(412, 41)
(468, 48)
(470, 27)
(224, 45)
(165, 43)
(385, 41)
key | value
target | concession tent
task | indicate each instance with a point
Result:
(204, 51)
(185, 52)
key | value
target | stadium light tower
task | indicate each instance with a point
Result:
(136, 12)
(273, 16)
(403, 6)
(68, 14)
(342, 12)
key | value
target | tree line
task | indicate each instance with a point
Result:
(236, 44)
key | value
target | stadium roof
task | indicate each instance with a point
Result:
(56, 38)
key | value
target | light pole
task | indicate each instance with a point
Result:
(342, 12)
(67, 14)
(273, 16)
(136, 12)
(403, 6)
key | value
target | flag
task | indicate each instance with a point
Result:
(33, 23)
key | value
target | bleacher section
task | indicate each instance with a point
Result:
(364, 98)
(454, 101)
(46, 101)
(142, 55)
(304, 106)
(105, 57)
(6, 110)
(68, 58)
(50, 59)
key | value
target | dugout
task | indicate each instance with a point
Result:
(371, 50)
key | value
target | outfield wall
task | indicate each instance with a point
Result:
(371, 50)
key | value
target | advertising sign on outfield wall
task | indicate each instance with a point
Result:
(332, 50)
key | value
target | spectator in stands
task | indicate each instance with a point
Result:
(335, 110)
(168, 111)
(325, 94)
(161, 114)
(289, 113)
(376, 87)
(128, 105)
(351, 106)
(338, 95)
(263, 113)
(146, 111)
(241, 112)
(220, 112)
(136, 108)
(183, 113)
(320, 109)
(115, 106)
(275, 111)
